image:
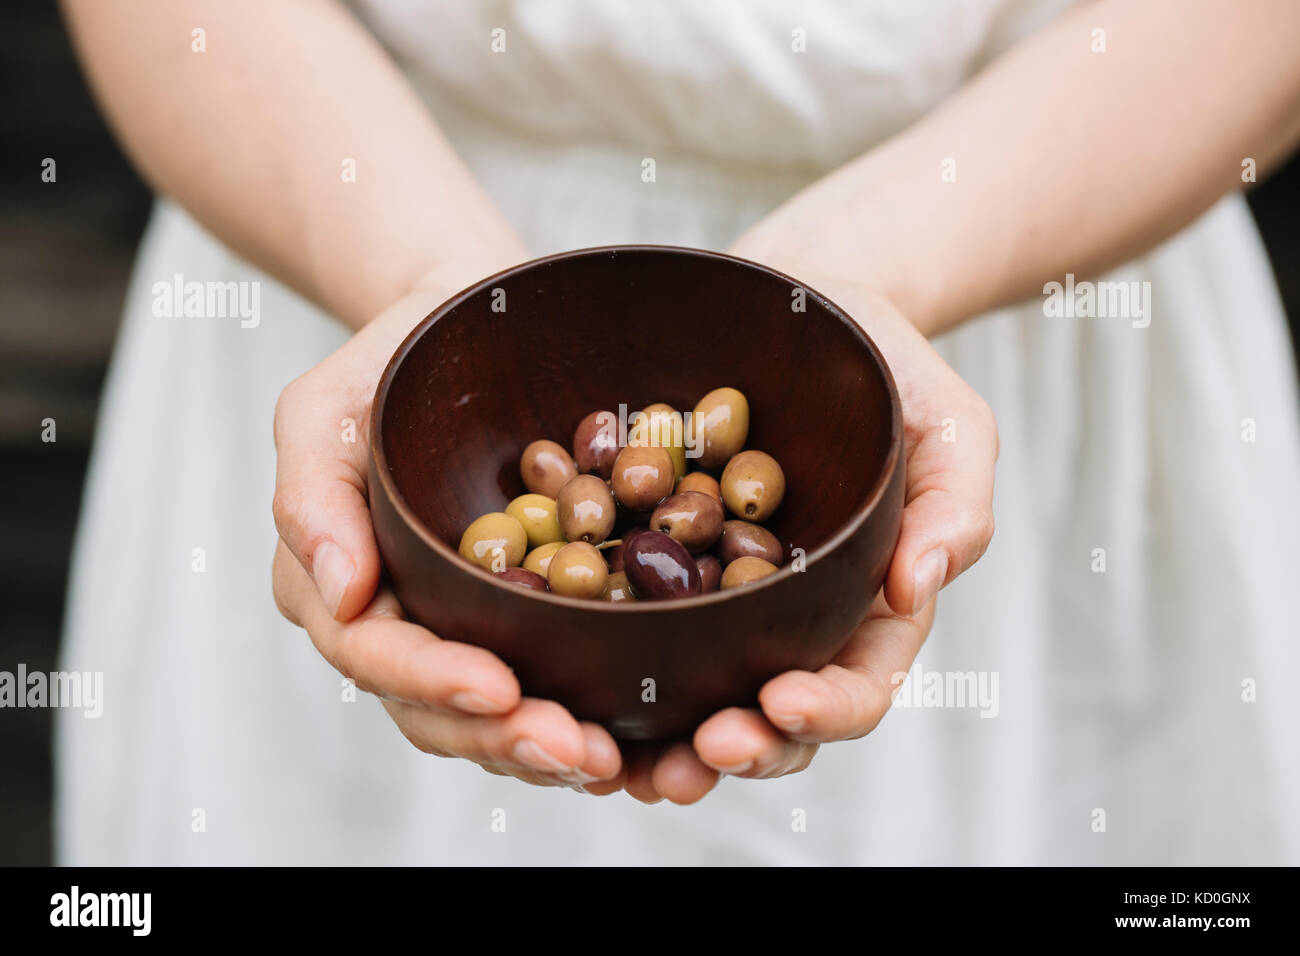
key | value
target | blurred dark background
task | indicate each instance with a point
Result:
(66, 250)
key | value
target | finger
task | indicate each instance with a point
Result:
(848, 698)
(948, 518)
(537, 736)
(320, 505)
(392, 658)
(603, 762)
(680, 775)
(640, 760)
(741, 742)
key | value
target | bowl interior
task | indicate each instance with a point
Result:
(530, 352)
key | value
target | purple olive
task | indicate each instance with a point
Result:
(595, 444)
(613, 557)
(524, 578)
(710, 572)
(741, 539)
(659, 567)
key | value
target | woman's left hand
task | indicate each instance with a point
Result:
(950, 447)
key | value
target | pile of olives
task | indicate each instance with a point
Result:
(679, 542)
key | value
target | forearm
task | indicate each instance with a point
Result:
(252, 136)
(1067, 160)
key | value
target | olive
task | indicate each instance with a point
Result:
(660, 425)
(753, 485)
(586, 509)
(494, 542)
(539, 559)
(745, 571)
(659, 567)
(643, 477)
(690, 517)
(710, 572)
(719, 426)
(546, 468)
(740, 539)
(617, 588)
(702, 482)
(523, 578)
(595, 444)
(537, 514)
(578, 570)
(614, 557)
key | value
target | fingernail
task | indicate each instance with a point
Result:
(528, 752)
(333, 570)
(737, 769)
(472, 703)
(927, 577)
(790, 723)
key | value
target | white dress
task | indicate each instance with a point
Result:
(1145, 714)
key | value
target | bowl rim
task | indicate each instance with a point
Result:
(846, 530)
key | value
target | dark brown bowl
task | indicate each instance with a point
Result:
(588, 330)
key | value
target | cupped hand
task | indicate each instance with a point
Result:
(950, 447)
(447, 698)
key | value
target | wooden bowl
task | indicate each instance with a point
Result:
(526, 354)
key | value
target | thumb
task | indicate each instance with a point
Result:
(320, 504)
(948, 518)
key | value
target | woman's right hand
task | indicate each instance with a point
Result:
(447, 698)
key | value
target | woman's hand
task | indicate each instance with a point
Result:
(951, 445)
(447, 698)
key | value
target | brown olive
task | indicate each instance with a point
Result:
(643, 477)
(659, 567)
(617, 588)
(753, 485)
(494, 542)
(537, 514)
(661, 425)
(546, 468)
(710, 572)
(745, 571)
(586, 509)
(595, 444)
(703, 483)
(690, 517)
(578, 570)
(523, 578)
(538, 560)
(741, 539)
(719, 427)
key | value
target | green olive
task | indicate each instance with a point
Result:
(719, 427)
(617, 588)
(578, 570)
(746, 570)
(539, 559)
(586, 509)
(494, 542)
(538, 516)
(753, 485)
(546, 468)
(643, 477)
(661, 425)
